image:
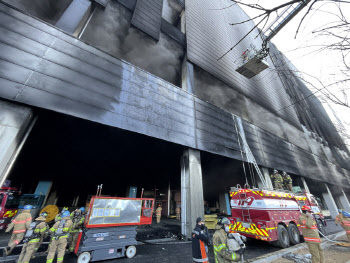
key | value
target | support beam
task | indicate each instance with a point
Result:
(192, 201)
(344, 201)
(328, 198)
(187, 76)
(16, 123)
(74, 18)
(306, 188)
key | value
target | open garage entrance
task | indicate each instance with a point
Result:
(76, 155)
(219, 174)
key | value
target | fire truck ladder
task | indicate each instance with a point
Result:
(245, 210)
(251, 159)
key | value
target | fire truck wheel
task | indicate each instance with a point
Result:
(294, 235)
(84, 257)
(321, 227)
(130, 252)
(283, 237)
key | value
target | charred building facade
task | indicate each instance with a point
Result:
(132, 94)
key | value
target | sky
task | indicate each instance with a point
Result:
(324, 66)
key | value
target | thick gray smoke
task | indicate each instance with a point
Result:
(47, 10)
(211, 89)
(110, 30)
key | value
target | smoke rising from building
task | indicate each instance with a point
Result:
(110, 30)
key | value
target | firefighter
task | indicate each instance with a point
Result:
(34, 236)
(311, 236)
(59, 215)
(78, 219)
(158, 213)
(20, 225)
(60, 232)
(200, 241)
(344, 222)
(178, 212)
(43, 214)
(277, 179)
(221, 253)
(287, 181)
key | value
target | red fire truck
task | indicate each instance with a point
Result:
(269, 215)
(9, 200)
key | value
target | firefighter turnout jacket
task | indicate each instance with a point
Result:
(221, 253)
(199, 240)
(277, 178)
(61, 232)
(36, 233)
(309, 229)
(287, 179)
(344, 222)
(21, 223)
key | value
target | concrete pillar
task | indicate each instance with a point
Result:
(267, 177)
(16, 122)
(192, 201)
(187, 75)
(328, 198)
(344, 201)
(306, 188)
(75, 17)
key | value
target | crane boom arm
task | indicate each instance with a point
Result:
(287, 14)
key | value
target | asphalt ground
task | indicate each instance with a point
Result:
(176, 251)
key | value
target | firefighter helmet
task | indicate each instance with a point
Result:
(225, 220)
(275, 171)
(27, 207)
(44, 214)
(82, 209)
(306, 208)
(284, 173)
(65, 214)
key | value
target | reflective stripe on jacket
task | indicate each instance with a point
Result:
(21, 222)
(309, 229)
(67, 226)
(277, 178)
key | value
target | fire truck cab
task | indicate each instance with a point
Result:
(9, 200)
(268, 215)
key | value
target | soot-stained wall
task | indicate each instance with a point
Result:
(110, 30)
(213, 90)
(48, 10)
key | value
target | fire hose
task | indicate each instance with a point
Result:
(326, 237)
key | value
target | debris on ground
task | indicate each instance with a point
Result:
(298, 258)
(332, 254)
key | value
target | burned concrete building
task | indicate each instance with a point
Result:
(132, 94)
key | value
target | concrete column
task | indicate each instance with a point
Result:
(187, 75)
(192, 201)
(75, 17)
(344, 201)
(328, 198)
(16, 123)
(306, 188)
(266, 174)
